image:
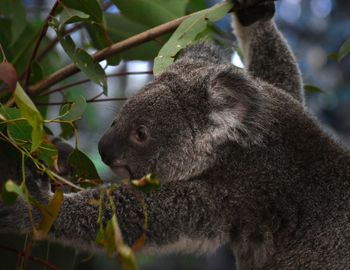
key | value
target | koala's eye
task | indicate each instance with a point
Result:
(140, 135)
(113, 123)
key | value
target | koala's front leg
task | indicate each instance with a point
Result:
(267, 54)
(182, 216)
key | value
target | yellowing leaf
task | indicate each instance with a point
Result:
(139, 243)
(49, 216)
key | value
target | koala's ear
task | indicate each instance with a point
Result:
(235, 102)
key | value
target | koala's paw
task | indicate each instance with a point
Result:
(64, 150)
(251, 11)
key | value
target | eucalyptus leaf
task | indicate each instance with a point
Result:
(151, 13)
(14, 11)
(31, 114)
(69, 15)
(344, 50)
(49, 216)
(83, 167)
(82, 59)
(18, 130)
(90, 7)
(120, 27)
(186, 34)
(312, 89)
(75, 110)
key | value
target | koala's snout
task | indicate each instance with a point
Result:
(106, 149)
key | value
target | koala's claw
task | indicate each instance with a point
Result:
(251, 11)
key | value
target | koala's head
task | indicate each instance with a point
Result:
(174, 125)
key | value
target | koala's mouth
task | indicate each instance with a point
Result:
(122, 170)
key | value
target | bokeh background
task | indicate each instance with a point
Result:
(314, 29)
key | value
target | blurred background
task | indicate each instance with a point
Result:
(314, 29)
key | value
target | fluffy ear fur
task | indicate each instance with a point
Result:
(238, 105)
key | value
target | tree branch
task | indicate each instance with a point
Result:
(106, 53)
(38, 42)
(33, 258)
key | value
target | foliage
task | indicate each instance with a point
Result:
(29, 60)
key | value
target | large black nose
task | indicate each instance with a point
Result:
(106, 149)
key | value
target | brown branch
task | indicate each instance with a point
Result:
(33, 258)
(38, 42)
(92, 100)
(106, 53)
(64, 87)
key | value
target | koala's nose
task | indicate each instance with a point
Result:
(106, 150)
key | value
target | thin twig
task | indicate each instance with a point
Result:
(70, 102)
(118, 47)
(33, 258)
(59, 89)
(38, 42)
(97, 96)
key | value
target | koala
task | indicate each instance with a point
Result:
(240, 159)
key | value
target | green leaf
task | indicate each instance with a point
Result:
(5, 34)
(344, 50)
(69, 15)
(36, 74)
(83, 167)
(74, 111)
(90, 7)
(101, 39)
(67, 130)
(333, 56)
(127, 28)
(47, 152)
(15, 12)
(10, 192)
(82, 59)
(21, 133)
(31, 114)
(21, 48)
(19, 129)
(147, 183)
(186, 34)
(195, 5)
(312, 89)
(151, 13)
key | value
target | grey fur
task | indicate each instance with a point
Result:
(240, 160)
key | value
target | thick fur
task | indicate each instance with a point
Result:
(239, 158)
